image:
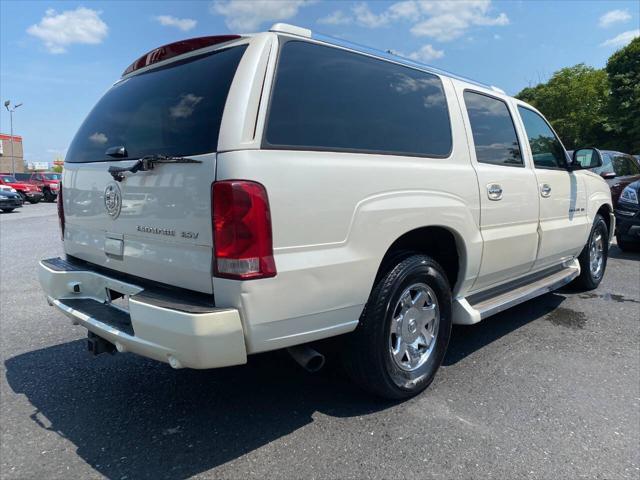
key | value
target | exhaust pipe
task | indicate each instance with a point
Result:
(308, 358)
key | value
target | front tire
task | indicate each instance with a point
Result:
(593, 259)
(8, 210)
(404, 330)
(48, 196)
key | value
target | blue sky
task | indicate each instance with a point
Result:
(58, 58)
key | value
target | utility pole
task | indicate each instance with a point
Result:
(10, 109)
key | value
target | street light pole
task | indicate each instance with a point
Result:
(11, 110)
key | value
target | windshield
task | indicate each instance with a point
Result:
(9, 179)
(52, 176)
(174, 110)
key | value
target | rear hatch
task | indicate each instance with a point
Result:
(154, 224)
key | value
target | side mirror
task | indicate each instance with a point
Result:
(585, 158)
(608, 175)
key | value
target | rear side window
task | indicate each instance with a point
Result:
(625, 165)
(546, 149)
(173, 110)
(329, 99)
(494, 134)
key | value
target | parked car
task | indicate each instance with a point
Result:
(619, 170)
(628, 217)
(318, 189)
(48, 182)
(9, 200)
(29, 193)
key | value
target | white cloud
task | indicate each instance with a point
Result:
(622, 39)
(184, 24)
(59, 30)
(426, 53)
(248, 15)
(450, 19)
(98, 138)
(185, 107)
(336, 18)
(613, 17)
(365, 17)
(443, 20)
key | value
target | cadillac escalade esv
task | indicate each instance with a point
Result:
(237, 194)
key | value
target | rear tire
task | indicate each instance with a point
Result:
(593, 259)
(34, 201)
(403, 332)
(8, 210)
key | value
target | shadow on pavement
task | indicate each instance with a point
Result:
(616, 252)
(132, 417)
(135, 418)
(466, 339)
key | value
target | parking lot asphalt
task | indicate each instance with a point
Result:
(548, 389)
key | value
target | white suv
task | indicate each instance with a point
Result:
(237, 194)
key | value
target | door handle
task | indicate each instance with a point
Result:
(494, 191)
(545, 190)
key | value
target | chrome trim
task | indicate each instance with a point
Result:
(612, 226)
(494, 305)
(338, 42)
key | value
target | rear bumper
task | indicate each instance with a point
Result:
(181, 336)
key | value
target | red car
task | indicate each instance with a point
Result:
(49, 183)
(619, 170)
(29, 193)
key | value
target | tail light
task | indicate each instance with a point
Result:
(61, 212)
(242, 239)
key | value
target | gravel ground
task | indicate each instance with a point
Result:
(548, 389)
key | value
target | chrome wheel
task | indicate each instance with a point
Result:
(596, 254)
(414, 327)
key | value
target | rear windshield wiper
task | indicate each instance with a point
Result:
(145, 163)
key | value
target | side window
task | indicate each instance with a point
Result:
(546, 149)
(325, 98)
(624, 165)
(494, 134)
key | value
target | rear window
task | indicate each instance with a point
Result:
(174, 110)
(325, 98)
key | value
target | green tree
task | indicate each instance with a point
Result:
(623, 69)
(575, 101)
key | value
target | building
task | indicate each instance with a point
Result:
(6, 155)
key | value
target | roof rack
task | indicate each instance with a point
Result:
(306, 33)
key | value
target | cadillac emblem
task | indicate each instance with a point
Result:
(112, 200)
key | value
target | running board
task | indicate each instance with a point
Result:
(468, 313)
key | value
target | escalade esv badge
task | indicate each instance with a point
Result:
(113, 200)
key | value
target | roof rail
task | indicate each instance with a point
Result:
(305, 32)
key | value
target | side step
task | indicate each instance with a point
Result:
(521, 293)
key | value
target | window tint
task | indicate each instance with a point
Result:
(172, 110)
(546, 148)
(624, 165)
(328, 99)
(494, 135)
